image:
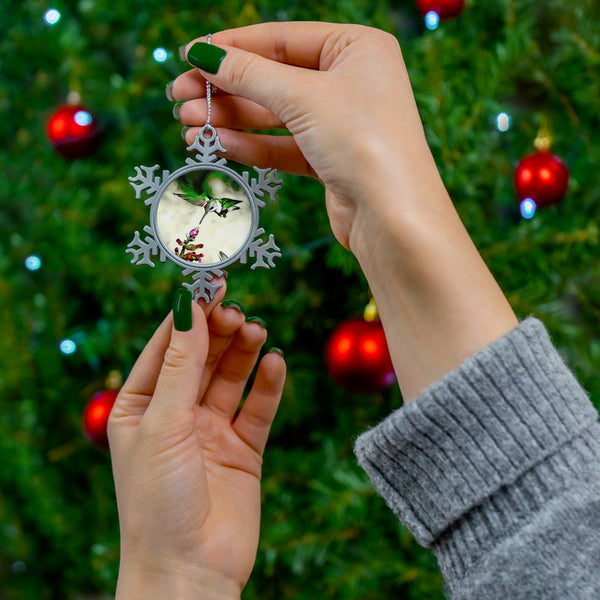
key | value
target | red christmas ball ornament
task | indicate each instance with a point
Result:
(95, 416)
(542, 177)
(73, 131)
(445, 9)
(358, 358)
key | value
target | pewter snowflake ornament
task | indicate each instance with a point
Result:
(204, 216)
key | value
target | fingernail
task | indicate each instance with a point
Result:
(277, 351)
(258, 320)
(184, 131)
(233, 303)
(206, 57)
(169, 91)
(182, 309)
(176, 108)
(181, 52)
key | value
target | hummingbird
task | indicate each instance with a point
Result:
(219, 206)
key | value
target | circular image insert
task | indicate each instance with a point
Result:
(204, 217)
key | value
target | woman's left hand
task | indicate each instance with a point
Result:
(187, 466)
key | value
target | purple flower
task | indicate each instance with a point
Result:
(193, 233)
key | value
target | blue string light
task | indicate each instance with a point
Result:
(33, 262)
(528, 208)
(432, 20)
(52, 16)
(68, 346)
(159, 55)
(82, 117)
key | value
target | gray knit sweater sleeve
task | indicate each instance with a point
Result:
(497, 469)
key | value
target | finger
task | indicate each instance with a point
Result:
(260, 150)
(298, 43)
(254, 421)
(261, 80)
(135, 395)
(186, 86)
(223, 323)
(234, 369)
(272, 63)
(181, 371)
(228, 111)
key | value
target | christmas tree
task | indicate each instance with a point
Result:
(74, 309)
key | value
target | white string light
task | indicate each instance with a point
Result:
(503, 122)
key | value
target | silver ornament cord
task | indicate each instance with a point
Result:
(208, 90)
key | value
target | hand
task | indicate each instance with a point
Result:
(344, 94)
(341, 90)
(187, 469)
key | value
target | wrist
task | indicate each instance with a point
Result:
(137, 582)
(439, 303)
(402, 191)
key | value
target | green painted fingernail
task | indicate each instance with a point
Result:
(182, 310)
(176, 108)
(206, 57)
(181, 52)
(184, 131)
(258, 320)
(169, 91)
(277, 351)
(233, 303)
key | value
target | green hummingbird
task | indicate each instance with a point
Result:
(219, 206)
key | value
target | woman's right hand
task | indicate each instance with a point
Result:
(344, 94)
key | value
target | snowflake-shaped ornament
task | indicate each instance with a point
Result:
(204, 216)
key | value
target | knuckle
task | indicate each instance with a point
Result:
(239, 73)
(175, 358)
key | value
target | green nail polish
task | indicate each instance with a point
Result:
(182, 310)
(233, 303)
(176, 108)
(277, 351)
(169, 91)
(258, 320)
(184, 131)
(206, 57)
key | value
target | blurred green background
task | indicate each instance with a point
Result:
(325, 533)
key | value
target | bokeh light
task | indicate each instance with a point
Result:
(83, 118)
(33, 262)
(503, 122)
(528, 208)
(68, 346)
(159, 55)
(432, 20)
(52, 16)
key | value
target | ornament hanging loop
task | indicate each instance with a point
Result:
(208, 132)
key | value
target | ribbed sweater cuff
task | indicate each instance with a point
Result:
(485, 425)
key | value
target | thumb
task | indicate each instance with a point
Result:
(183, 362)
(238, 72)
